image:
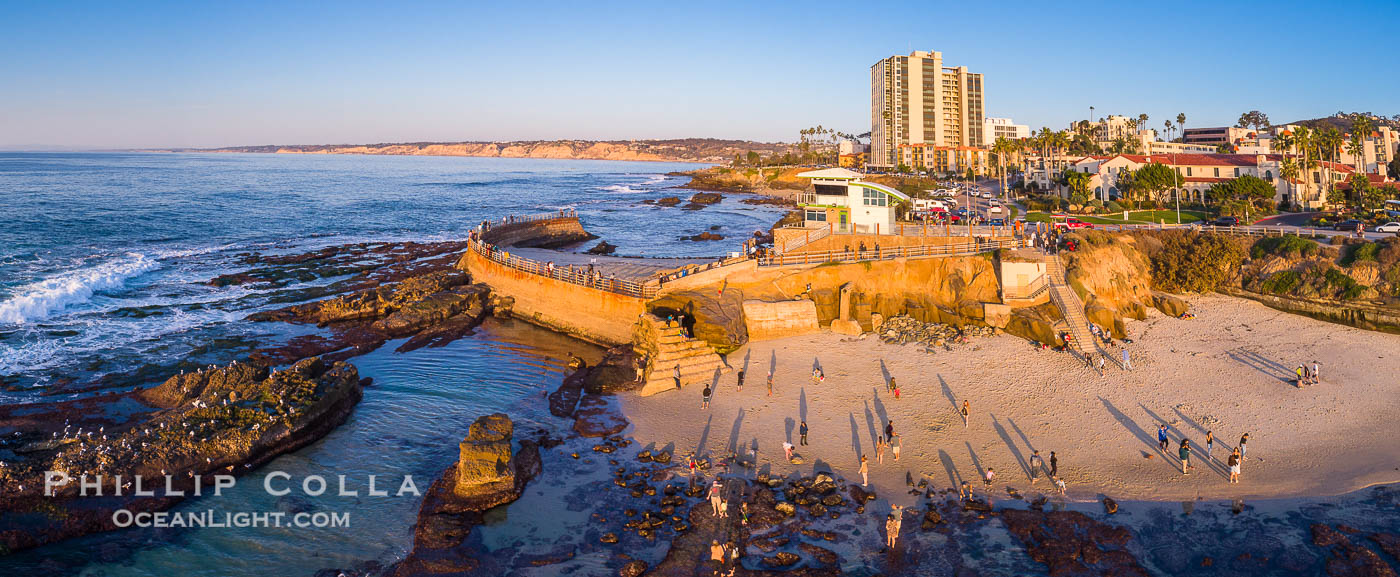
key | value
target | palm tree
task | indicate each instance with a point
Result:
(1181, 122)
(1329, 143)
(1168, 126)
(1361, 128)
(1288, 171)
(1304, 141)
(1001, 148)
(1142, 121)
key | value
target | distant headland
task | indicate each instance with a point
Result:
(704, 150)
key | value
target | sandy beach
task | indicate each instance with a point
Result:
(1228, 370)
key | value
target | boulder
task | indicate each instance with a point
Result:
(820, 554)
(433, 309)
(596, 416)
(786, 508)
(633, 568)
(706, 198)
(931, 519)
(842, 327)
(484, 463)
(602, 248)
(1109, 505)
(780, 559)
(1170, 305)
(996, 315)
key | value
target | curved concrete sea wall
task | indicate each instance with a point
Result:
(591, 313)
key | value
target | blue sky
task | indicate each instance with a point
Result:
(215, 74)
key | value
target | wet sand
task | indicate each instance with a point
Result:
(1228, 370)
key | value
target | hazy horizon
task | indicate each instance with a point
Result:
(103, 77)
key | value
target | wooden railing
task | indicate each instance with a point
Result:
(973, 246)
(573, 275)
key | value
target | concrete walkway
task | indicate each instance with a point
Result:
(633, 269)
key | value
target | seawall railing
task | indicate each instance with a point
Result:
(974, 245)
(570, 274)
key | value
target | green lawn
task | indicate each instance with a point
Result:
(1134, 217)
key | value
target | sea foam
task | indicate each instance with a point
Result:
(38, 300)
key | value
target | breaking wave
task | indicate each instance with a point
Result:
(38, 300)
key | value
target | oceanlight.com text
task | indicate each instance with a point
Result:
(218, 519)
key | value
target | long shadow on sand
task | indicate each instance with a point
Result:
(879, 406)
(704, 436)
(948, 392)
(870, 422)
(1128, 424)
(855, 437)
(802, 404)
(734, 433)
(1265, 365)
(954, 477)
(1015, 451)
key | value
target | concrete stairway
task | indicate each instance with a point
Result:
(1070, 306)
(671, 353)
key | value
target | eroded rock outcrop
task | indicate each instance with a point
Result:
(488, 473)
(218, 421)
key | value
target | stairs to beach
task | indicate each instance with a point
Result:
(1070, 306)
(672, 354)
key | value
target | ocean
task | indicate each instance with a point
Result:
(104, 267)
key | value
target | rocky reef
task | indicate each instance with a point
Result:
(434, 308)
(180, 434)
(488, 473)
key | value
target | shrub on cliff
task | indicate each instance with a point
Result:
(1190, 262)
(1282, 282)
(1287, 246)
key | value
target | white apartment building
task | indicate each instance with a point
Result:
(994, 128)
(915, 99)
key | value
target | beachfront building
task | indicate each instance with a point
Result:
(1199, 172)
(843, 203)
(852, 154)
(1378, 150)
(943, 159)
(994, 128)
(915, 99)
(1215, 136)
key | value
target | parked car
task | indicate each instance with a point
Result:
(1227, 221)
(1349, 224)
(1393, 227)
(1073, 223)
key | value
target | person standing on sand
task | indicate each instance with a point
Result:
(987, 481)
(1162, 441)
(1243, 448)
(1054, 465)
(896, 388)
(1210, 444)
(892, 528)
(864, 472)
(965, 409)
(889, 428)
(705, 397)
(965, 491)
(1036, 464)
(1185, 454)
(894, 447)
(880, 450)
(715, 489)
(1234, 463)
(1101, 364)
(1127, 361)
(770, 383)
(1302, 376)
(1089, 360)
(741, 379)
(1316, 375)
(802, 432)
(717, 553)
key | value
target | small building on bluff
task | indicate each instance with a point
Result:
(843, 203)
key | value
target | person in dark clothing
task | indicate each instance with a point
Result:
(741, 379)
(1054, 465)
(1162, 441)
(889, 429)
(802, 433)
